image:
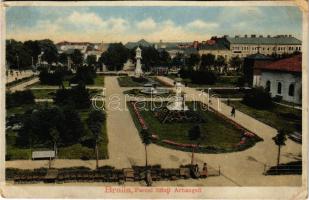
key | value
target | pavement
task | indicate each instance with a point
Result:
(243, 168)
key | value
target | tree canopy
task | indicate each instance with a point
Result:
(115, 56)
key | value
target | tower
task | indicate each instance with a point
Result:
(138, 67)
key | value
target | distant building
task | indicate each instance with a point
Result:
(281, 78)
(267, 45)
(140, 43)
(215, 46)
(244, 46)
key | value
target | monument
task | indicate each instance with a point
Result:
(138, 67)
(178, 104)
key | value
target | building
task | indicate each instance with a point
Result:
(267, 45)
(244, 46)
(282, 78)
(215, 46)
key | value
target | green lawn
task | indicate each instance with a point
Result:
(76, 151)
(99, 80)
(221, 82)
(277, 117)
(127, 81)
(219, 134)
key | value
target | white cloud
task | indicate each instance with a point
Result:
(78, 18)
(200, 24)
(147, 24)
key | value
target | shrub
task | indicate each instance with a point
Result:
(195, 132)
(84, 74)
(199, 77)
(258, 98)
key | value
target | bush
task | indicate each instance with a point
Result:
(195, 132)
(19, 98)
(77, 96)
(258, 98)
(53, 78)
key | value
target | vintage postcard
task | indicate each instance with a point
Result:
(154, 99)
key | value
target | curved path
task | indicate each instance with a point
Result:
(243, 168)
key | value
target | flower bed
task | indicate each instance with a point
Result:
(247, 138)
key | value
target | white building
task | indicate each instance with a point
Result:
(281, 78)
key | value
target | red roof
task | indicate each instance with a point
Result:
(292, 64)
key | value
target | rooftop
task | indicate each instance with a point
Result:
(292, 64)
(253, 39)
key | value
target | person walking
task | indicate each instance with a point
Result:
(233, 112)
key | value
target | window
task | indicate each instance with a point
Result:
(291, 90)
(279, 88)
(268, 86)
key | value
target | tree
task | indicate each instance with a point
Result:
(77, 57)
(195, 132)
(193, 60)
(91, 60)
(146, 139)
(115, 56)
(50, 52)
(33, 47)
(95, 121)
(63, 58)
(19, 98)
(207, 61)
(178, 60)
(279, 140)
(236, 63)
(84, 74)
(220, 62)
(165, 58)
(54, 133)
(17, 55)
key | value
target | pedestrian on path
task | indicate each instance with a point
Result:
(233, 112)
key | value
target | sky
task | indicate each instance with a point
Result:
(123, 24)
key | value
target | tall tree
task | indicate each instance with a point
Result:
(146, 139)
(279, 140)
(207, 61)
(220, 62)
(193, 60)
(77, 57)
(115, 56)
(17, 55)
(91, 60)
(63, 58)
(236, 62)
(34, 49)
(49, 49)
(178, 60)
(55, 135)
(165, 58)
(95, 121)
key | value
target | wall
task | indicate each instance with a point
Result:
(286, 79)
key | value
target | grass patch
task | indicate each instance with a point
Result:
(277, 117)
(219, 134)
(99, 80)
(222, 81)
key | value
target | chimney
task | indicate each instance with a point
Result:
(253, 36)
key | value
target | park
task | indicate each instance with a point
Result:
(96, 117)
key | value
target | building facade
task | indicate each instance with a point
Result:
(282, 78)
(267, 45)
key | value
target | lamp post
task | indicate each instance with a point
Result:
(208, 98)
